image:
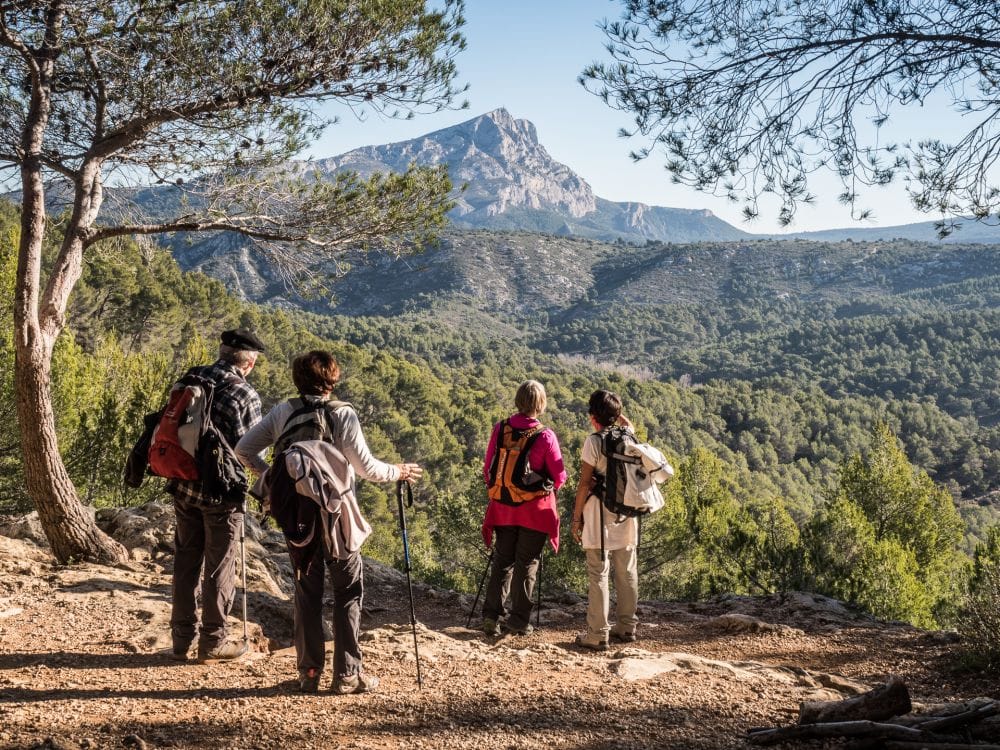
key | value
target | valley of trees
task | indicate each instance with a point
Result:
(799, 465)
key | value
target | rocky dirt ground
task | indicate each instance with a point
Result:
(83, 664)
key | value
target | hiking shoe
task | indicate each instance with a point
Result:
(362, 682)
(180, 653)
(526, 630)
(490, 626)
(623, 637)
(225, 651)
(309, 681)
(586, 640)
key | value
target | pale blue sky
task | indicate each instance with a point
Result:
(526, 56)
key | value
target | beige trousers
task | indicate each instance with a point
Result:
(624, 564)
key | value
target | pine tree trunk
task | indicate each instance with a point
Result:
(38, 319)
(72, 533)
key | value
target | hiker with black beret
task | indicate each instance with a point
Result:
(523, 470)
(209, 526)
(321, 440)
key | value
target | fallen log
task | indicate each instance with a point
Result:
(875, 720)
(966, 717)
(884, 702)
(831, 730)
(903, 745)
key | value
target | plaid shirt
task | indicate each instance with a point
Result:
(235, 409)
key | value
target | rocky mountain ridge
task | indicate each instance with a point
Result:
(498, 158)
(512, 183)
(520, 274)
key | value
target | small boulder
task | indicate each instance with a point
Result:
(27, 528)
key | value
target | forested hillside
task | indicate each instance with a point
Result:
(766, 451)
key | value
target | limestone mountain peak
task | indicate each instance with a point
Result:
(498, 158)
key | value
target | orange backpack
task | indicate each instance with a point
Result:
(512, 481)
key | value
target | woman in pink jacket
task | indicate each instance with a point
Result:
(521, 521)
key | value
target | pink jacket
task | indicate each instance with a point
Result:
(537, 515)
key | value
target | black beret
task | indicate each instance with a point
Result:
(242, 338)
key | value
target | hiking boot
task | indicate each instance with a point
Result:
(593, 642)
(626, 637)
(526, 630)
(362, 682)
(180, 652)
(309, 681)
(225, 651)
(490, 626)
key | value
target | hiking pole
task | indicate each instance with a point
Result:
(243, 565)
(406, 559)
(538, 605)
(479, 591)
(604, 554)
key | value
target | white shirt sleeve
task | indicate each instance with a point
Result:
(357, 452)
(591, 453)
(251, 448)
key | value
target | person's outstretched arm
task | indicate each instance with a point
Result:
(357, 452)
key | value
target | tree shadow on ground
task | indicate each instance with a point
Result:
(81, 660)
(596, 726)
(97, 584)
(36, 695)
(407, 723)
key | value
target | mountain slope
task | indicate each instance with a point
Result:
(512, 183)
(967, 231)
(519, 272)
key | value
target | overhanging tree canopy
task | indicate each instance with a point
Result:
(213, 96)
(751, 97)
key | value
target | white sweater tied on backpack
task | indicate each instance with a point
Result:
(322, 474)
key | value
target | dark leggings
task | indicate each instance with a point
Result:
(516, 555)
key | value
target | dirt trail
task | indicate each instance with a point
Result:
(82, 665)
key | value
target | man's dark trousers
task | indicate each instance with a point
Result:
(205, 543)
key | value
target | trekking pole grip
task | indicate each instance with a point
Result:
(400, 484)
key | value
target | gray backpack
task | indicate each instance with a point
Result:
(312, 419)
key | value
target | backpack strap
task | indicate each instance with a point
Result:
(329, 407)
(302, 407)
(532, 436)
(613, 434)
(498, 431)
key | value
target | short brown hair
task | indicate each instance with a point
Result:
(605, 407)
(530, 399)
(315, 373)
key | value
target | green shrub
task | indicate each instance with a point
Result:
(979, 619)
